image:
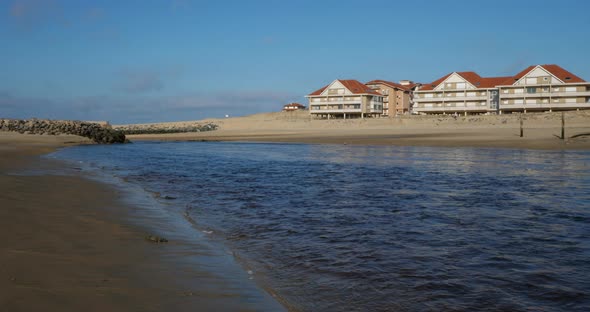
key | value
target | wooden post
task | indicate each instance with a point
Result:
(521, 131)
(562, 125)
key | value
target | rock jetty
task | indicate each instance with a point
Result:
(166, 128)
(99, 133)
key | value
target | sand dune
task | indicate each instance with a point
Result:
(540, 130)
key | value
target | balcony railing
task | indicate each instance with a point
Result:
(452, 108)
(544, 94)
(451, 99)
(544, 105)
(335, 102)
(336, 110)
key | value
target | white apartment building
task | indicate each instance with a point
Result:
(345, 99)
(537, 88)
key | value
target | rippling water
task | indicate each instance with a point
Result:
(374, 228)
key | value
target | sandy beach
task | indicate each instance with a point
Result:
(541, 130)
(72, 244)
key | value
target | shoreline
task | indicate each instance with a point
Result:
(450, 139)
(72, 243)
(541, 131)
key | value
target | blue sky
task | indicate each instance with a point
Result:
(167, 60)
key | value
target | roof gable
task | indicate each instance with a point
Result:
(532, 73)
(558, 74)
(350, 86)
(470, 78)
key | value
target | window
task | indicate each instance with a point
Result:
(545, 89)
(335, 91)
(531, 90)
(556, 89)
(505, 91)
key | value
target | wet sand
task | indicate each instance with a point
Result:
(541, 130)
(72, 244)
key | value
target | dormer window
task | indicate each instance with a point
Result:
(568, 78)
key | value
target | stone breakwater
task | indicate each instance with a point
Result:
(166, 128)
(102, 134)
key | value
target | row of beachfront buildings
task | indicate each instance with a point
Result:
(536, 88)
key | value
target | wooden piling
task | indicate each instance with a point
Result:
(562, 125)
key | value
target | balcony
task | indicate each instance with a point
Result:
(544, 94)
(450, 98)
(335, 102)
(336, 111)
(453, 109)
(544, 106)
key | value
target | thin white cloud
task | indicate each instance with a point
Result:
(36, 13)
(143, 108)
(136, 81)
(141, 82)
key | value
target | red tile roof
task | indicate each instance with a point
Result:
(556, 70)
(319, 91)
(294, 105)
(390, 84)
(473, 78)
(431, 86)
(491, 82)
(353, 86)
